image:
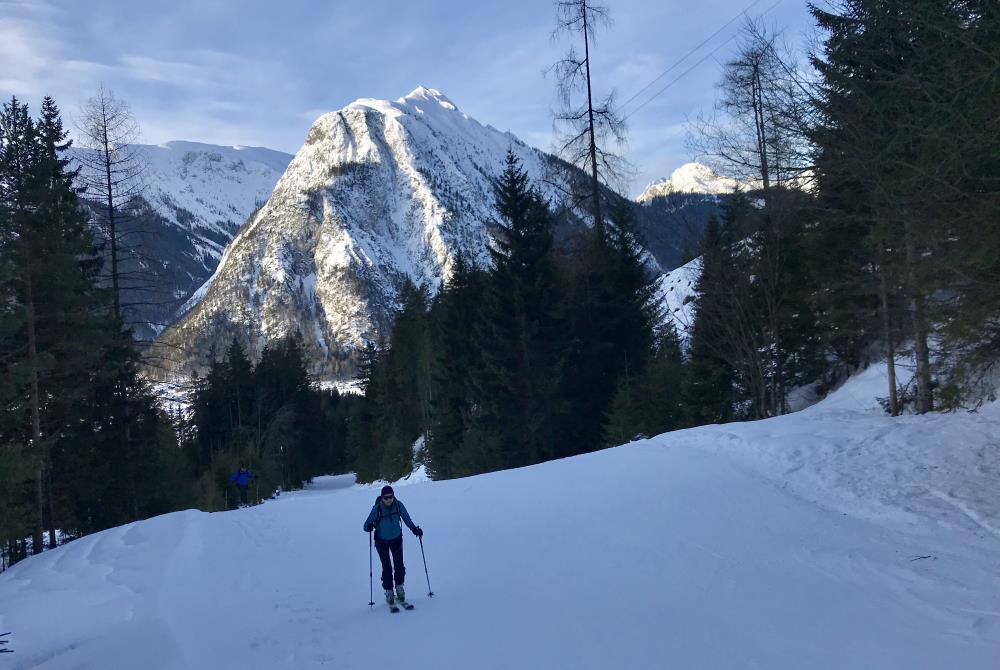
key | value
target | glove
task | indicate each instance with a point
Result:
(419, 532)
(369, 526)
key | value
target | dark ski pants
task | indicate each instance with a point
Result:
(243, 494)
(395, 547)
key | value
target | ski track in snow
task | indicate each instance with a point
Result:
(967, 511)
(825, 539)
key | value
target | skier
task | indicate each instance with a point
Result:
(384, 519)
(242, 479)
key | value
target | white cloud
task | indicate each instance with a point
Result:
(200, 94)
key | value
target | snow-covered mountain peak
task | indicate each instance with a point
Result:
(381, 192)
(424, 94)
(690, 178)
(419, 101)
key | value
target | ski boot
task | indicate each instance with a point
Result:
(390, 600)
(401, 598)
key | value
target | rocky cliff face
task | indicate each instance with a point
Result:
(379, 193)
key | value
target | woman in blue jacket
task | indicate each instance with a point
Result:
(386, 519)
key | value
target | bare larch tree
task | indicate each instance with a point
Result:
(112, 171)
(759, 135)
(589, 136)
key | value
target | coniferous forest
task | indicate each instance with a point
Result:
(86, 443)
(871, 232)
(870, 229)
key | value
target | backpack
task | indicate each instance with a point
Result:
(393, 511)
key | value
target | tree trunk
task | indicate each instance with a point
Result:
(112, 232)
(925, 395)
(36, 423)
(925, 399)
(890, 345)
(772, 257)
(131, 468)
(758, 117)
(49, 497)
(598, 221)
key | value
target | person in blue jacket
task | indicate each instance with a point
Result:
(242, 479)
(386, 519)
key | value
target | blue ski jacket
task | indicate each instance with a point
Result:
(242, 477)
(387, 520)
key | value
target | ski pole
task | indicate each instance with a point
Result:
(430, 593)
(371, 588)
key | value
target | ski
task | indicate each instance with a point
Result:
(393, 609)
(406, 605)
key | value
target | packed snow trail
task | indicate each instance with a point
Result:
(717, 547)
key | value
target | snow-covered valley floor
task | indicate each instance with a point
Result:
(830, 538)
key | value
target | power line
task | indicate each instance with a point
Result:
(680, 76)
(691, 52)
(702, 60)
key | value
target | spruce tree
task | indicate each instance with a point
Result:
(239, 373)
(906, 144)
(709, 393)
(521, 336)
(611, 314)
(630, 290)
(363, 452)
(455, 314)
(65, 345)
(15, 461)
(652, 401)
(282, 381)
(69, 307)
(402, 414)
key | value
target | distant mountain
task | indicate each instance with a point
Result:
(210, 190)
(672, 225)
(674, 212)
(380, 193)
(198, 195)
(690, 178)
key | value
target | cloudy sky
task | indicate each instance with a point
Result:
(258, 72)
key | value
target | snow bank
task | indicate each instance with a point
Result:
(826, 539)
(904, 470)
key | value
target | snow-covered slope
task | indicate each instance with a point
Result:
(694, 178)
(379, 193)
(199, 196)
(210, 190)
(827, 539)
(205, 189)
(675, 291)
